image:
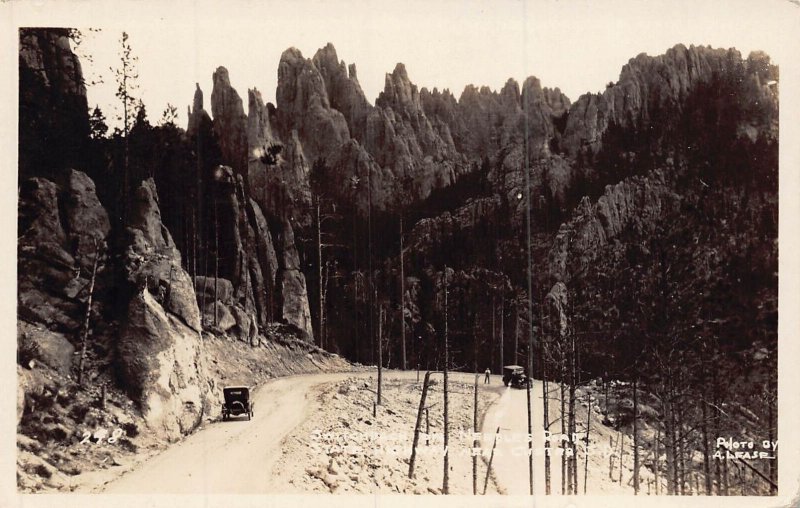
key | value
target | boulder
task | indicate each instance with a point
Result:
(246, 325)
(225, 319)
(162, 365)
(205, 285)
(295, 309)
(51, 348)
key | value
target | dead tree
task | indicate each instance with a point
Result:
(380, 352)
(446, 465)
(588, 430)
(656, 456)
(502, 330)
(530, 433)
(563, 432)
(475, 442)
(546, 423)
(491, 459)
(571, 424)
(402, 298)
(422, 398)
(216, 261)
(635, 440)
(87, 319)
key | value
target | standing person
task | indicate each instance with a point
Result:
(488, 372)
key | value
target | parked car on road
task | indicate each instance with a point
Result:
(237, 402)
(514, 375)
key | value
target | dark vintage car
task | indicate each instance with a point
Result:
(237, 402)
(514, 375)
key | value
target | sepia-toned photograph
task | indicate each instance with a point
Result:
(517, 248)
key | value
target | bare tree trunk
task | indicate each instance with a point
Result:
(369, 267)
(402, 298)
(621, 454)
(635, 439)
(546, 423)
(530, 433)
(563, 431)
(669, 444)
(475, 442)
(446, 465)
(88, 315)
(516, 334)
(771, 400)
(320, 298)
(681, 453)
(216, 261)
(491, 459)
(588, 435)
(380, 353)
(656, 455)
(572, 463)
(411, 461)
(725, 484)
(706, 450)
(502, 331)
(494, 331)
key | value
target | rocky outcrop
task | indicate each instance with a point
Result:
(152, 262)
(58, 226)
(53, 111)
(161, 364)
(292, 284)
(636, 202)
(304, 106)
(343, 90)
(85, 220)
(230, 122)
(196, 114)
(288, 191)
(455, 232)
(247, 257)
(550, 179)
(645, 83)
(400, 137)
(259, 139)
(160, 354)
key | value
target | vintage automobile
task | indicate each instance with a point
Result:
(237, 402)
(514, 375)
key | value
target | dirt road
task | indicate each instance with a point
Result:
(236, 456)
(510, 462)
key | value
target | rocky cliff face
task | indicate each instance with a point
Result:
(59, 226)
(230, 122)
(53, 112)
(647, 84)
(292, 284)
(636, 203)
(160, 350)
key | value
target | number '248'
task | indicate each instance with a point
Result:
(101, 434)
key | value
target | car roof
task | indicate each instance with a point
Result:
(236, 388)
(513, 367)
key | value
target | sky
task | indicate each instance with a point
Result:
(576, 45)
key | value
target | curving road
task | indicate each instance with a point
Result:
(237, 456)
